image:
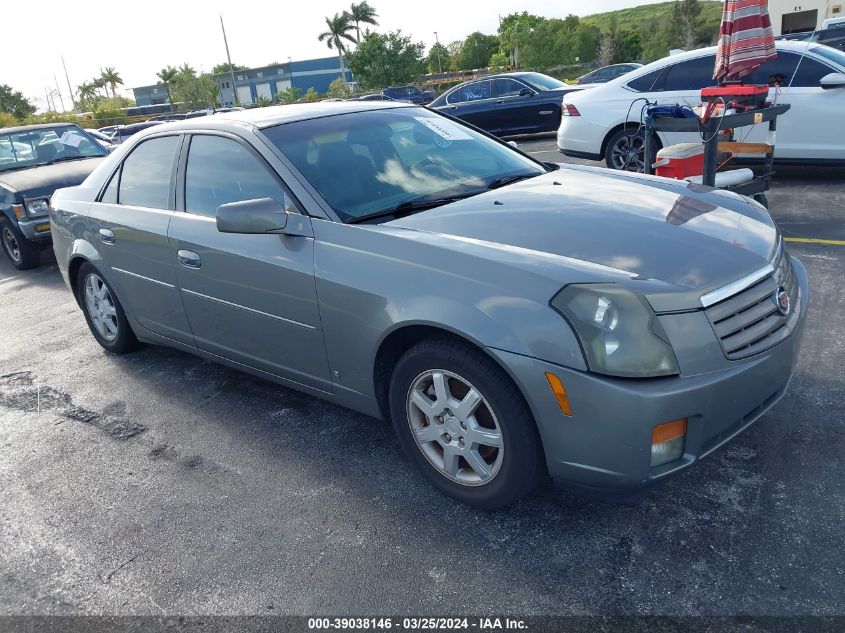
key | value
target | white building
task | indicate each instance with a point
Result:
(793, 16)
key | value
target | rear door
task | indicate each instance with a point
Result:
(251, 299)
(129, 225)
(681, 83)
(474, 104)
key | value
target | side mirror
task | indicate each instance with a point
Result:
(263, 215)
(526, 92)
(513, 143)
(832, 81)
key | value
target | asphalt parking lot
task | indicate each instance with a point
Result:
(159, 483)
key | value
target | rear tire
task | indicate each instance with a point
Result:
(625, 149)
(21, 252)
(103, 312)
(465, 424)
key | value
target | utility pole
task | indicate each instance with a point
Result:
(69, 89)
(61, 99)
(47, 99)
(229, 59)
(439, 63)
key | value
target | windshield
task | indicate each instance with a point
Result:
(367, 162)
(42, 146)
(830, 53)
(543, 82)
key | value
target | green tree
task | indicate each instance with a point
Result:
(187, 69)
(628, 47)
(311, 95)
(685, 23)
(477, 50)
(438, 59)
(99, 84)
(166, 75)
(361, 13)
(87, 94)
(338, 89)
(454, 53)
(387, 60)
(263, 102)
(111, 78)
(194, 92)
(13, 102)
(514, 30)
(655, 46)
(338, 31)
(289, 95)
(219, 69)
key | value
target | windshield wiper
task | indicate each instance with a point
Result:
(507, 180)
(411, 206)
(64, 158)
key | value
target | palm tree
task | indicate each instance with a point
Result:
(97, 84)
(361, 13)
(167, 75)
(111, 77)
(186, 69)
(86, 91)
(339, 28)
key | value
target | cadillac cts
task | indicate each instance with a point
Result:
(513, 319)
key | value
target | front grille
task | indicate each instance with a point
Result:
(749, 322)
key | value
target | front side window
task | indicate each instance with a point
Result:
(809, 73)
(146, 175)
(221, 170)
(365, 162)
(507, 88)
(692, 74)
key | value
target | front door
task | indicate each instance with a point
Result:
(249, 298)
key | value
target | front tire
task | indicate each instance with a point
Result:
(465, 424)
(21, 252)
(103, 312)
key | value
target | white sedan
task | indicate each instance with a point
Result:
(605, 122)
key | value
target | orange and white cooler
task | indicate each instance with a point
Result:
(680, 161)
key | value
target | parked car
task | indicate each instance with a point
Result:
(512, 318)
(606, 73)
(378, 96)
(509, 103)
(123, 132)
(35, 160)
(170, 116)
(833, 36)
(604, 122)
(102, 139)
(411, 94)
(108, 130)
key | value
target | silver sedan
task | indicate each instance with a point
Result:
(515, 320)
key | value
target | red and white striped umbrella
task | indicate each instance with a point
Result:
(746, 39)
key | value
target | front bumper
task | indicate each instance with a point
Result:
(605, 446)
(36, 229)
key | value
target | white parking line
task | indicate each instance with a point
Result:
(2, 281)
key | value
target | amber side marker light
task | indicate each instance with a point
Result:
(19, 211)
(560, 393)
(667, 442)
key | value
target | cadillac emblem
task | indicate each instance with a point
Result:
(782, 300)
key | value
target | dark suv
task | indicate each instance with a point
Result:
(411, 94)
(35, 160)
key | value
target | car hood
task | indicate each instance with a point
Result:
(43, 180)
(671, 241)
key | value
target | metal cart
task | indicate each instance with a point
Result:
(714, 145)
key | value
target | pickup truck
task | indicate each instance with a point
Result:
(35, 160)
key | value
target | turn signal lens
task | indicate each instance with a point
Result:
(560, 394)
(667, 442)
(19, 211)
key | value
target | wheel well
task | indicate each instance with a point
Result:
(73, 273)
(622, 126)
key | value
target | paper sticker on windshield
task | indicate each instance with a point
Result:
(71, 138)
(444, 129)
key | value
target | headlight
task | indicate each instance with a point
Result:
(618, 330)
(38, 206)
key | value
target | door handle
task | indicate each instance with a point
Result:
(106, 236)
(189, 259)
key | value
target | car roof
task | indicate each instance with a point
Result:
(275, 115)
(37, 126)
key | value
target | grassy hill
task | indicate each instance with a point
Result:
(651, 16)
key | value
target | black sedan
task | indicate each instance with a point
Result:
(509, 103)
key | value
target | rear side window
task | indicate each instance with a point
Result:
(221, 170)
(473, 92)
(649, 82)
(110, 194)
(810, 73)
(146, 174)
(693, 74)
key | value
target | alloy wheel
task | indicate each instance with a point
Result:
(628, 153)
(455, 427)
(100, 306)
(10, 243)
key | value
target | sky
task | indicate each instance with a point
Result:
(139, 39)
